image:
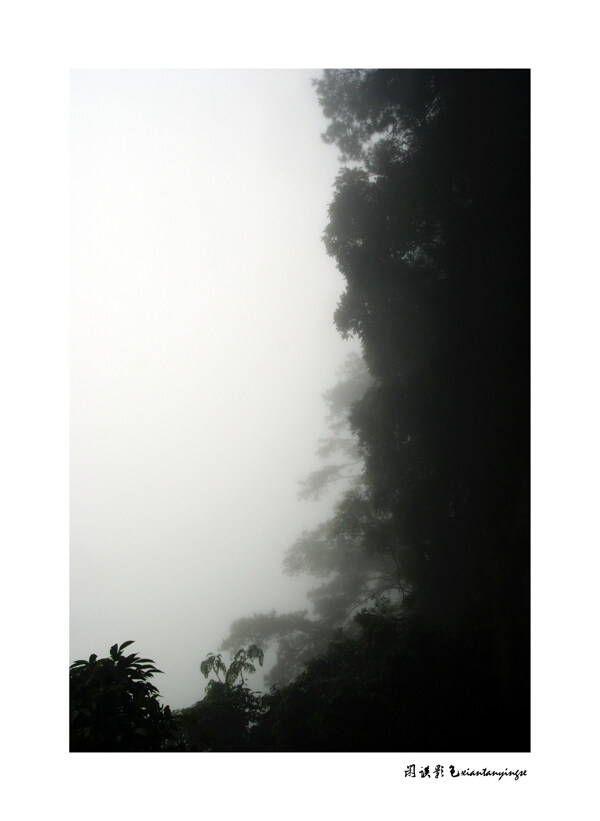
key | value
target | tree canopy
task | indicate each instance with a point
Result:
(224, 720)
(114, 706)
(429, 225)
(347, 576)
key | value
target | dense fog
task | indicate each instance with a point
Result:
(202, 340)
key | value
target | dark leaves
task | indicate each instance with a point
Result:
(115, 707)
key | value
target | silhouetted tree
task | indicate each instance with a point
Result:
(394, 684)
(429, 225)
(431, 231)
(224, 719)
(115, 708)
(350, 577)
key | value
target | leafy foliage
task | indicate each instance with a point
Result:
(242, 664)
(213, 664)
(394, 684)
(431, 230)
(341, 444)
(114, 706)
(429, 225)
(224, 719)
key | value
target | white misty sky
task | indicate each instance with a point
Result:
(202, 339)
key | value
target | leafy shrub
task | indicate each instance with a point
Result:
(114, 707)
(224, 720)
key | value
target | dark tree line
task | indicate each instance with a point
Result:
(418, 636)
(429, 225)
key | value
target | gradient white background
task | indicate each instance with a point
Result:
(202, 339)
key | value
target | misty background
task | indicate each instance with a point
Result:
(202, 339)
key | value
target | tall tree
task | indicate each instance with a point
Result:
(224, 719)
(429, 225)
(349, 577)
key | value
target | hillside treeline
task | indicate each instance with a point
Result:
(416, 635)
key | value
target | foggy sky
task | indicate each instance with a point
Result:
(202, 339)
